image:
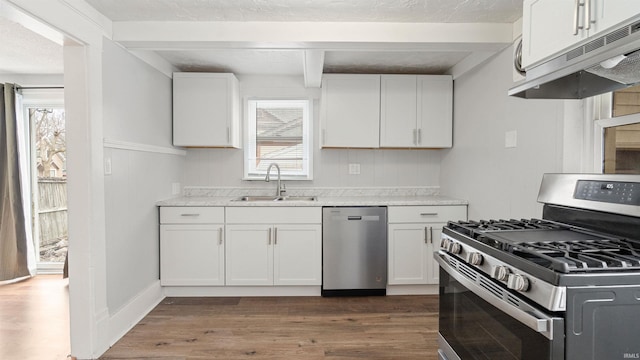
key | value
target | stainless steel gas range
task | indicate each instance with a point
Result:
(566, 286)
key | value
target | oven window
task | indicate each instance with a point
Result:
(477, 330)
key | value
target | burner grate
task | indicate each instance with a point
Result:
(555, 246)
(580, 256)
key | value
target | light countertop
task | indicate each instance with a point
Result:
(424, 200)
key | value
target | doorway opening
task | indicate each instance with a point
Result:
(48, 170)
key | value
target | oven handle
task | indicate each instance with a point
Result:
(530, 317)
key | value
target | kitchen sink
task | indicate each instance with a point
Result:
(276, 198)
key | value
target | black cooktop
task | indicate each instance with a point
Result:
(555, 246)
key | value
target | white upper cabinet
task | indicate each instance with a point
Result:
(550, 27)
(398, 111)
(350, 111)
(387, 111)
(609, 14)
(416, 111)
(435, 111)
(206, 110)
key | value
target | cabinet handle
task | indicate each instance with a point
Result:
(221, 235)
(228, 134)
(431, 235)
(275, 236)
(426, 235)
(191, 215)
(419, 137)
(429, 214)
(576, 16)
(269, 237)
(587, 14)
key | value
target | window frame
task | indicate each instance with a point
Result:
(250, 172)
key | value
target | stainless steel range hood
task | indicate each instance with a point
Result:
(607, 63)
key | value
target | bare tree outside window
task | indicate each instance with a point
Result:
(50, 191)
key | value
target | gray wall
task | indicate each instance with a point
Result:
(224, 167)
(498, 181)
(137, 109)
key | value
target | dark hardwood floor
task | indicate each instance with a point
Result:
(391, 327)
(34, 319)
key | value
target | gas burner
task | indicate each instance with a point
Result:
(476, 229)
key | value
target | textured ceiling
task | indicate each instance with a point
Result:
(25, 52)
(462, 11)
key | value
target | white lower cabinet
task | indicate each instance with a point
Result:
(191, 246)
(260, 251)
(414, 235)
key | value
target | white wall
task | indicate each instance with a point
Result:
(137, 111)
(224, 167)
(500, 182)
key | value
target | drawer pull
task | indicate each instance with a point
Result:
(428, 214)
(192, 215)
(221, 236)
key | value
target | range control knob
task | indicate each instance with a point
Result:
(518, 282)
(500, 273)
(444, 244)
(455, 248)
(474, 258)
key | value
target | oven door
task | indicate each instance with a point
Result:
(481, 319)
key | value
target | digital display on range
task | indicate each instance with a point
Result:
(608, 191)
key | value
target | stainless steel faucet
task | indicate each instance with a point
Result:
(280, 188)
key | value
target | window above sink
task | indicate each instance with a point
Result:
(278, 131)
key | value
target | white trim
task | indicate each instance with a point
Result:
(241, 291)
(134, 311)
(598, 136)
(126, 145)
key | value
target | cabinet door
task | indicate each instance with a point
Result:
(408, 254)
(398, 111)
(435, 111)
(350, 111)
(297, 255)
(433, 268)
(205, 110)
(249, 255)
(609, 14)
(191, 255)
(548, 28)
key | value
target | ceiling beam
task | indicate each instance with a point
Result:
(469, 63)
(177, 35)
(313, 63)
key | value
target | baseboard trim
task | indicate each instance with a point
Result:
(134, 311)
(229, 291)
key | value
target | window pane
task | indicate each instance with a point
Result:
(278, 133)
(622, 149)
(50, 187)
(626, 101)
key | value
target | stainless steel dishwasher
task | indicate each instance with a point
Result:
(354, 251)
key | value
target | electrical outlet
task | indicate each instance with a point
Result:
(354, 169)
(107, 166)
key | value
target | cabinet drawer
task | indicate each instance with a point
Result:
(274, 215)
(191, 215)
(427, 214)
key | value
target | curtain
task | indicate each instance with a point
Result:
(13, 234)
